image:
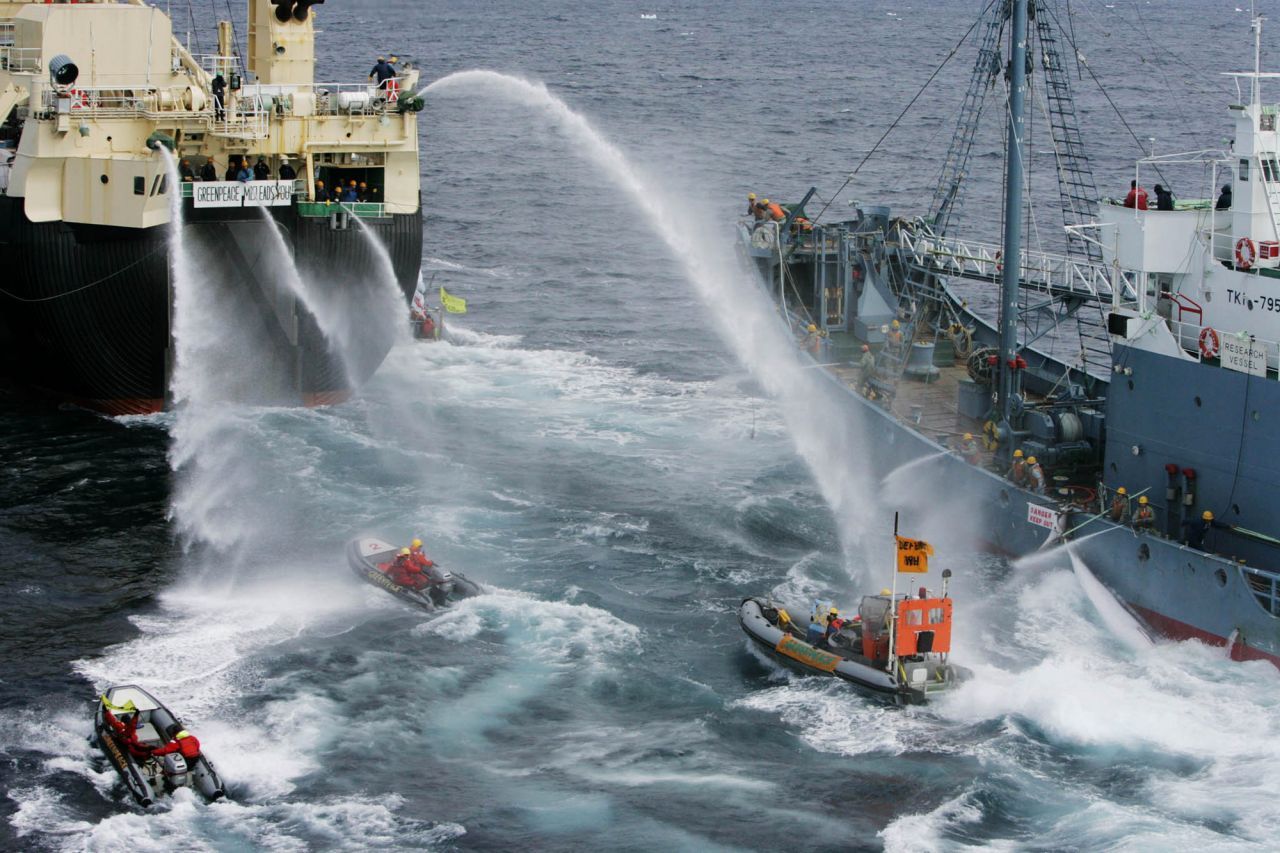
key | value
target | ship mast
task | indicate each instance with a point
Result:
(1012, 249)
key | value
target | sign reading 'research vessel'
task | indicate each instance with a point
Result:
(237, 194)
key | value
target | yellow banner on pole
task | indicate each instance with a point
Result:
(452, 304)
(913, 555)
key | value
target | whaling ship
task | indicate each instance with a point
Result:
(86, 91)
(1154, 436)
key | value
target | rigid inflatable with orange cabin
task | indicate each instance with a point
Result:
(897, 645)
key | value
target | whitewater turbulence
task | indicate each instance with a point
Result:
(744, 316)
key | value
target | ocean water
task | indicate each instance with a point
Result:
(619, 446)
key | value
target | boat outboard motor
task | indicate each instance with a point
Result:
(175, 771)
(62, 71)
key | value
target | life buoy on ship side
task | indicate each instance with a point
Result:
(1209, 343)
(1246, 253)
(78, 99)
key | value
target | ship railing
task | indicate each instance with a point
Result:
(1044, 272)
(119, 101)
(1236, 350)
(6, 33)
(20, 60)
(216, 64)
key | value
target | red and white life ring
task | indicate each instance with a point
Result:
(78, 99)
(393, 90)
(1209, 343)
(1246, 253)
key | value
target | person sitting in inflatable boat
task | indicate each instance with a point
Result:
(406, 571)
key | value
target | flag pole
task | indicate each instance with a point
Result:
(893, 597)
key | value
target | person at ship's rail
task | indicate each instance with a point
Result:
(1224, 198)
(1018, 469)
(209, 171)
(383, 71)
(1035, 476)
(1194, 530)
(1144, 518)
(1164, 198)
(185, 171)
(1120, 506)
(287, 172)
(261, 171)
(1137, 197)
(219, 90)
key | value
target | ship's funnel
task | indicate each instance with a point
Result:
(296, 10)
(62, 70)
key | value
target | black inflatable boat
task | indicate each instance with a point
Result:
(370, 559)
(150, 778)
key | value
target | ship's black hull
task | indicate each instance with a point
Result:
(85, 311)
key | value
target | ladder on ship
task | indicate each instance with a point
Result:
(1077, 190)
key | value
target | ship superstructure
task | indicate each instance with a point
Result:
(1152, 430)
(87, 91)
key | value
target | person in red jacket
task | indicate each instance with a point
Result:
(127, 733)
(183, 742)
(405, 571)
(1137, 196)
(419, 558)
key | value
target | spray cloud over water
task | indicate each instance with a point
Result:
(744, 316)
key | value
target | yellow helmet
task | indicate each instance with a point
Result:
(766, 201)
(812, 328)
(404, 552)
(416, 543)
(180, 735)
(885, 591)
(896, 324)
(835, 612)
(1207, 515)
(1031, 461)
(968, 436)
(751, 196)
(1017, 454)
(1121, 491)
(1142, 500)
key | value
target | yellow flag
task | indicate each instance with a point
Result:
(913, 555)
(452, 304)
(127, 706)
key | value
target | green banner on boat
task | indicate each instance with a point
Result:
(806, 654)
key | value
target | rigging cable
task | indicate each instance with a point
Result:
(950, 55)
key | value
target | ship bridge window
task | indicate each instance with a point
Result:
(1267, 121)
(1243, 174)
(139, 185)
(1270, 171)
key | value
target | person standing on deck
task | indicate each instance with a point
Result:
(382, 71)
(866, 368)
(970, 451)
(1018, 469)
(751, 205)
(1035, 476)
(773, 211)
(1120, 506)
(1143, 518)
(1164, 198)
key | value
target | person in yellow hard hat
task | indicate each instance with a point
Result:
(1018, 469)
(1035, 476)
(405, 572)
(834, 624)
(1143, 517)
(1194, 530)
(969, 449)
(866, 368)
(419, 558)
(893, 340)
(1120, 506)
(751, 204)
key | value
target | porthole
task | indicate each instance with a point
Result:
(1004, 498)
(1144, 552)
(1221, 577)
(1198, 403)
(104, 178)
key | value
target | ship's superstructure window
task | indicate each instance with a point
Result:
(1244, 171)
(139, 185)
(1270, 170)
(1267, 121)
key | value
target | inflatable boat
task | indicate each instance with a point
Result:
(150, 778)
(858, 651)
(896, 646)
(370, 559)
